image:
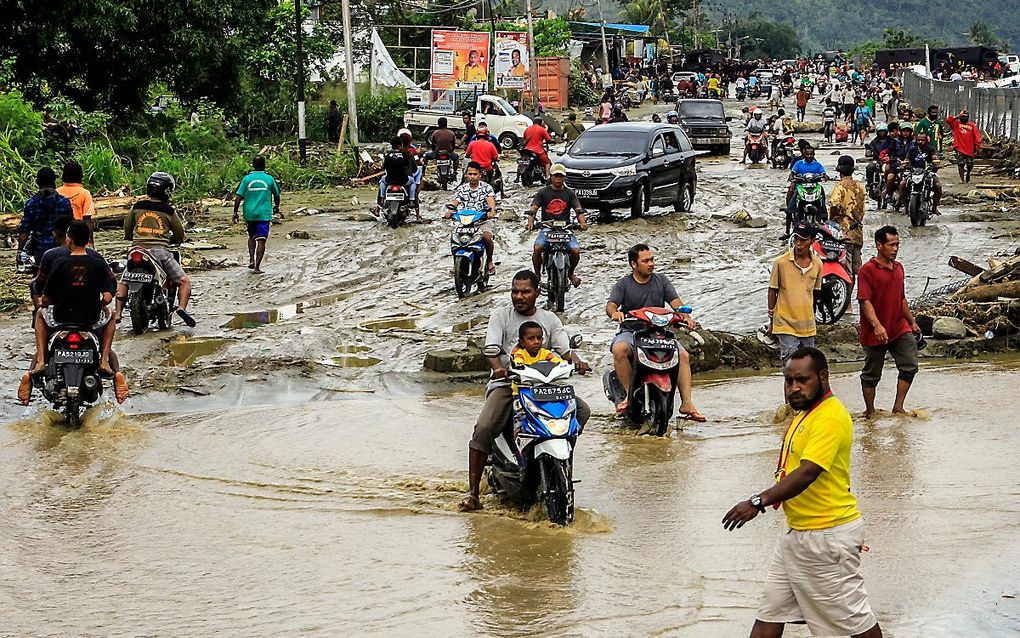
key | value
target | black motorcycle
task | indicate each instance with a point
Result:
(784, 151)
(741, 93)
(529, 169)
(444, 169)
(556, 261)
(396, 205)
(151, 294)
(70, 380)
(920, 190)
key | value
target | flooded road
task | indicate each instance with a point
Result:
(287, 466)
(337, 516)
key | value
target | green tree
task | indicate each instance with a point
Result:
(765, 38)
(982, 34)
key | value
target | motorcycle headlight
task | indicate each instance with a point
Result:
(629, 169)
(917, 178)
(557, 427)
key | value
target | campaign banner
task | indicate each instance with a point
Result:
(512, 63)
(460, 60)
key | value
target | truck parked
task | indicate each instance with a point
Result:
(505, 124)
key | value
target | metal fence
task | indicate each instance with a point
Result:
(995, 111)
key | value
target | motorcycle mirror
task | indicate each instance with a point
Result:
(576, 341)
(492, 351)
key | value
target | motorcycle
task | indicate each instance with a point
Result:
(396, 204)
(668, 96)
(741, 93)
(656, 366)
(832, 302)
(529, 169)
(444, 169)
(150, 292)
(920, 186)
(810, 197)
(755, 146)
(532, 459)
(468, 251)
(70, 381)
(627, 96)
(556, 261)
(784, 152)
(754, 92)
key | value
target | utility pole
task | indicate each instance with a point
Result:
(602, 30)
(352, 99)
(533, 61)
(302, 140)
(697, 25)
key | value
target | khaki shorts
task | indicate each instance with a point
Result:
(815, 577)
(488, 226)
(855, 258)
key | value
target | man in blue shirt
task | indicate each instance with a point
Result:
(806, 166)
(42, 210)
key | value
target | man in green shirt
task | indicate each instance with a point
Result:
(261, 196)
(933, 127)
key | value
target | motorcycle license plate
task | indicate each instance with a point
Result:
(394, 197)
(590, 193)
(63, 355)
(553, 393)
(557, 237)
(444, 163)
(136, 276)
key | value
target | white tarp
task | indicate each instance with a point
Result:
(384, 70)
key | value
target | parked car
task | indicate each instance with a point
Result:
(505, 123)
(704, 121)
(632, 165)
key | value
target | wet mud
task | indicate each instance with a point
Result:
(286, 466)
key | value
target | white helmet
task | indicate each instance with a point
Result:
(402, 132)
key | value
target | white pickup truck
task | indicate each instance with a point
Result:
(504, 122)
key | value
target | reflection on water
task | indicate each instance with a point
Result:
(282, 313)
(185, 351)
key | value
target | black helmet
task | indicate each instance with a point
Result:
(160, 185)
(845, 164)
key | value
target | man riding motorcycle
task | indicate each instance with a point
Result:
(806, 166)
(672, 117)
(399, 167)
(873, 149)
(443, 140)
(921, 155)
(756, 126)
(153, 225)
(535, 138)
(77, 291)
(484, 152)
(39, 218)
(893, 156)
(503, 330)
(556, 201)
(474, 194)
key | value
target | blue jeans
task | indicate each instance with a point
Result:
(411, 187)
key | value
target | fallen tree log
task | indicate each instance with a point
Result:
(109, 211)
(990, 292)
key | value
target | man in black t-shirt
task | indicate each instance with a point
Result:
(399, 168)
(76, 292)
(556, 201)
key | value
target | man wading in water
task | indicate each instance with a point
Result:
(503, 331)
(814, 576)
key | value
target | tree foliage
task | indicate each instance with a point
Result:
(765, 38)
(982, 34)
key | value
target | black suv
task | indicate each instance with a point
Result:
(704, 121)
(632, 164)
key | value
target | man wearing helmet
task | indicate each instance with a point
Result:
(874, 148)
(535, 139)
(755, 126)
(153, 225)
(672, 117)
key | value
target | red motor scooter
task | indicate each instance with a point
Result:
(833, 299)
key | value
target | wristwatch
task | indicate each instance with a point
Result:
(755, 502)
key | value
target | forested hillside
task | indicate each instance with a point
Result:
(828, 24)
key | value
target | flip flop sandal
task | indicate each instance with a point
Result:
(186, 318)
(695, 416)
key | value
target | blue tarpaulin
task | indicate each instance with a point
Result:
(636, 29)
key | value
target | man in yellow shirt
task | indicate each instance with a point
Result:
(80, 198)
(474, 72)
(814, 576)
(796, 275)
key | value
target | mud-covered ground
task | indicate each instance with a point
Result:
(287, 466)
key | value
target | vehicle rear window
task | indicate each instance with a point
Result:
(595, 142)
(701, 109)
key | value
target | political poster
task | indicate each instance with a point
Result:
(460, 60)
(512, 63)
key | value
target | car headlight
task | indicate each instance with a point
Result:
(629, 169)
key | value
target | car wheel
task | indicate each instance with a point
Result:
(638, 205)
(722, 149)
(686, 199)
(508, 141)
(605, 214)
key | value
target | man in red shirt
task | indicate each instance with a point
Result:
(966, 142)
(535, 138)
(482, 149)
(887, 325)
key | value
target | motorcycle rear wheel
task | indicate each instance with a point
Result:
(394, 219)
(72, 413)
(139, 313)
(833, 301)
(556, 490)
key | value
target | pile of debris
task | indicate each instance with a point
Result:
(987, 305)
(1001, 153)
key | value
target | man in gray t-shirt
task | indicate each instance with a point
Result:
(496, 413)
(643, 288)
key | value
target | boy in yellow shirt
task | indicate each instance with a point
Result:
(529, 350)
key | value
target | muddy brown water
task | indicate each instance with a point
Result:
(313, 487)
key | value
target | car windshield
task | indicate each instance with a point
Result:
(506, 106)
(701, 109)
(608, 143)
